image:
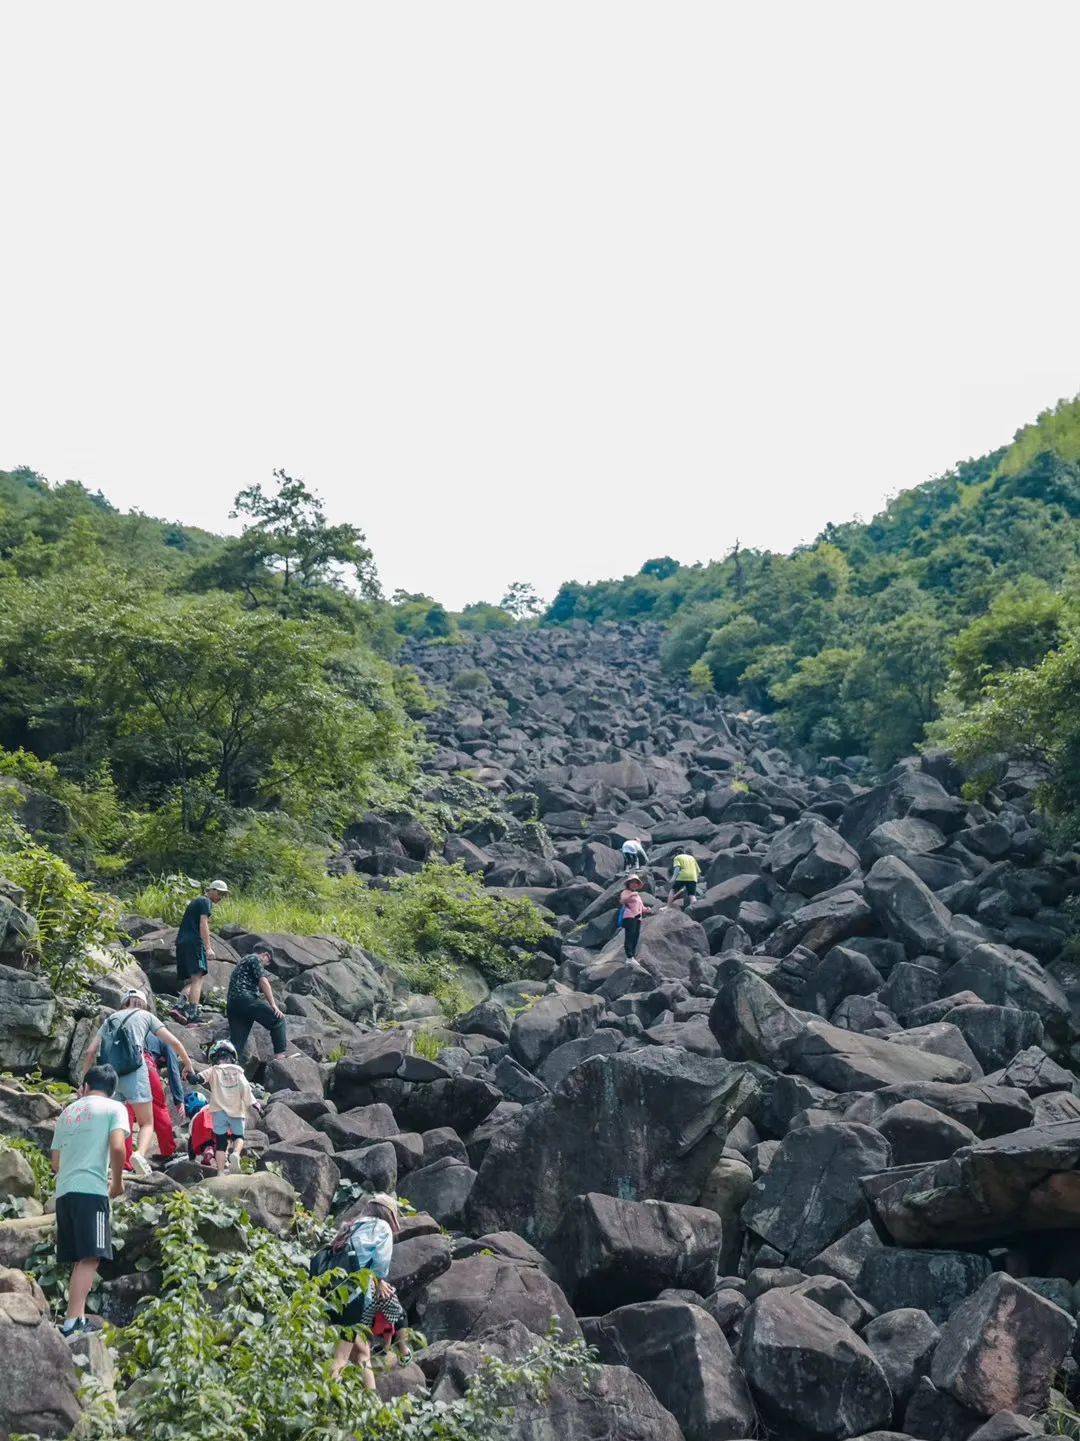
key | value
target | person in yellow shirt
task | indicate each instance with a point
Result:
(685, 875)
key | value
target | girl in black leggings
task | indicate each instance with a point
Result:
(633, 908)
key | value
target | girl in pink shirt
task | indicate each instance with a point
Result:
(633, 908)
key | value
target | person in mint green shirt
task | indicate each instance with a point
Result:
(88, 1150)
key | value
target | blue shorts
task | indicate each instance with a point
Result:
(227, 1125)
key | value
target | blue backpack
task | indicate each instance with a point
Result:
(620, 918)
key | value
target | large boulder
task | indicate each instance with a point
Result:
(612, 1405)
(683, 1355)
(479, 1292)
(312, 1174)
(611, 1252)
(808, 856)
(810, 1195)
(931, 1281)
(1002, 976)
(809, 1372)
(352, 987)
(268, 1199)
(1001, 1349)
(903, 1340)
(646, 1124)
(553, 1021)
(999, 1187)
(907, 908)
(39, 1381)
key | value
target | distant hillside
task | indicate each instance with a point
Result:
(853, 640)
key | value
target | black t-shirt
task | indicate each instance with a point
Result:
(189, 933)
(244, 981)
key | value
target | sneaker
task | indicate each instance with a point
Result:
(76, 1327)
(141, 1166)
(233, 1163)
(179, 1013)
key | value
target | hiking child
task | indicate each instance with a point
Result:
(87, 1157)
(685, 874)
(231, 1102)
(633, 854)
(251, 1001)
(631, 909)
(194, 951)
(121, 1044)
(370, 1240)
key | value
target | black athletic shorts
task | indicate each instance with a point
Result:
(83, 1227)
(190, 961)
(690, 887)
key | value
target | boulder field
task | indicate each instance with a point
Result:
(807, 1167)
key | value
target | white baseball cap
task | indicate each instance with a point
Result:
(219, 886)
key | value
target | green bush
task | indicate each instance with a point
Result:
(238, 1342)
(424, 925)
(470, 680)
(44, 1180)
(73, 919)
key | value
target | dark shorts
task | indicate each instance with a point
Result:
(690, 887)
(83, 1228)
(190, 961)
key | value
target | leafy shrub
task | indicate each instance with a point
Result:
(238, 1342)
(73, 918)
(470, 680)
(701, 677)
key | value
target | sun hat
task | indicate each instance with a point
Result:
(219, 886)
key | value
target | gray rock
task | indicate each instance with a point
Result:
(903, 1340)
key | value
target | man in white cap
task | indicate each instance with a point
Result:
(194, 951)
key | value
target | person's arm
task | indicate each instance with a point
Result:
(204, 931)
(117, 1157)
(167, 1038)
(91, 1053)
(54, 1158)
(176, 1077)
(268, 996)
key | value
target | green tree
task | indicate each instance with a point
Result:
(289, 529)
(1024, 622)
(521, 601)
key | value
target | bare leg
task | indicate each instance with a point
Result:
(341, 1358)
(361, 1356)
(221, 1155)
(194, 989)
(144, 1115)
(82, 1278)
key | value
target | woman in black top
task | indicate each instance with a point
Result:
(251, 1000)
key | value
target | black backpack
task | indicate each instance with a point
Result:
(119, 1047)
(330, 1260)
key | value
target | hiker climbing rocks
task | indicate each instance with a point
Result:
(194, 951)
(231, 1102)
(631, 910)
(251, 1000)
(367, 1244)
(633, 854)
(685, 874)
(121, 1044)
(87, 1156)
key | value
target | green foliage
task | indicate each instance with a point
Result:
(1056, 430)
(701, 677)
(521, 601)
(849, 641)
(427, 1044)
(238, 1342)
(424, 926)
(481, 617)
(192, 701)
(1033, 715)
(470, 680)
(72, 918)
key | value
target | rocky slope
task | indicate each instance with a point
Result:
(807, 1165)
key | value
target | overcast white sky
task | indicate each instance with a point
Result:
(534, 291)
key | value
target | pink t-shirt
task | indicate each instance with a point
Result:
(632, 904)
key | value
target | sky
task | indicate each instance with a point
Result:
(534, 291)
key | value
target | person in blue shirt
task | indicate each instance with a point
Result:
(375, 1306)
